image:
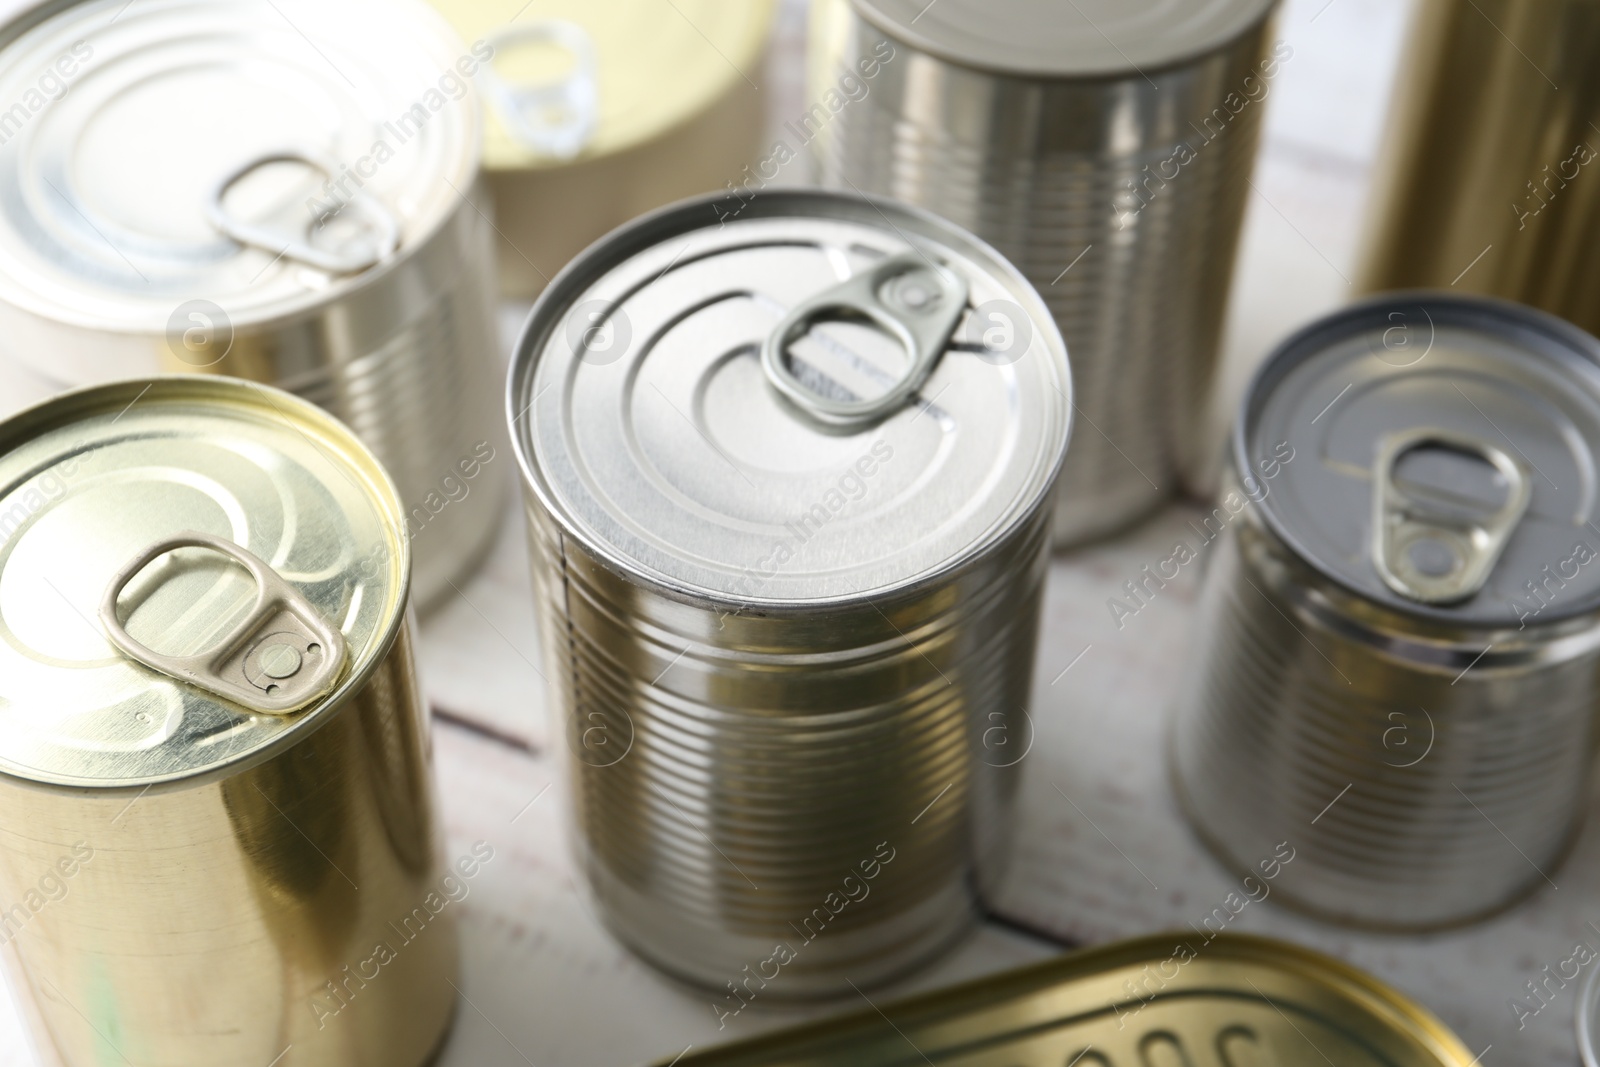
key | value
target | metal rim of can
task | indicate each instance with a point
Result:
(1025, 55)
(1501, 318)
(1588, 1019)
(641, 235)
(457, 171)
(63, 409)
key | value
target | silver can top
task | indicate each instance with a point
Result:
(1439, 455)
(824, 398)
(256, 156)
(1049, 39)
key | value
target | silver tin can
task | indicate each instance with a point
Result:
(1399, 633)
(284, 192)
(1105, 148)
(790, 526)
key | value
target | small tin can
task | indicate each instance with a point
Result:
(1490, 176)
(1399, 643)
(598, 111)
(278, 191)
(218, 846)
(789, 518)
(1105, 148)
(1175, 999)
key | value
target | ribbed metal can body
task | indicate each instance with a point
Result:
(1419, 784)
(1119, 196)
(220, 844)
(1490, 182)
(264, 258)
(793, 730)
(1397, 660)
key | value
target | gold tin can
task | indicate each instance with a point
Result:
(1492, 179)
(598, 111)
(218, 846)
(1169, 999)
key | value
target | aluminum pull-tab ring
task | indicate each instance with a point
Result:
(916, 301)
(1437, 555)
(282, 657)
(270, 240)
(555, 118)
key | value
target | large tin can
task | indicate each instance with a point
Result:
(601, 110)
(218, 846)
(789, 520)
(1490, 183)
(1105, 148)
(283, 192)
(1399, 641)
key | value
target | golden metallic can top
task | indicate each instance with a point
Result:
(1177, 998)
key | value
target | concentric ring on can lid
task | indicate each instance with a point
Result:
(1051, 39)
(1400, 434)
(1588, 1019)
(646, 423)
(348, 125)
(91, 480)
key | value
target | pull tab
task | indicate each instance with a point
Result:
(554, 118)
(1430, 552)
(269, 240)
(916, 302)
(281, 658)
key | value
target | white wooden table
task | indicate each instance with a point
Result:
(545, 985)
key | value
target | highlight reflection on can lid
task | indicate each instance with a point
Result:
(667, 421)
(1446, 457)
(347, 128)
(95, 483)
(1049, 39)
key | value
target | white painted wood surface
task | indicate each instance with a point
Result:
(544, 984)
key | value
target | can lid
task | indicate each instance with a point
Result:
(576, 78)
(259, 156)
(193, 572)
(1049, 39)
(822, 398)
(1439, 455)
(1175, 998)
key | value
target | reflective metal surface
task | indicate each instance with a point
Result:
(280, 193)
(601, 110)
(1428, 756)
(790, 653)
(183, 873)
(1490, 181)
(1117, 189)
(1181, 998)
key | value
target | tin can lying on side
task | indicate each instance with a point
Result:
(280, 191)
(218, 846)
(1489, 181)
(789, 522)
(601, 110)
(1105, 147)
(1399, 640)
(1170, 999)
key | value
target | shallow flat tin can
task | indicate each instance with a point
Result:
(211, 736)
(1172, 999)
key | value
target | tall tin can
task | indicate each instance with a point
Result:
(789, 520)
(1399, 640)
(1491, 183)
(601, 110)
(284, 192)
(1105, 148)
(218, 846)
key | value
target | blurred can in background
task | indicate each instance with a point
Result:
(601, 110)
(1399, 640)
(1105, 148)
(1491, 183)
(789, 517)
(219, 847)
(276, 191)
